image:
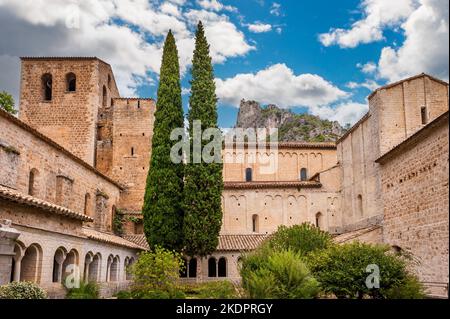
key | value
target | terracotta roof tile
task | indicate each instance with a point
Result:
(139, 240)
(240, 242)
(111, 239)
(17, 197)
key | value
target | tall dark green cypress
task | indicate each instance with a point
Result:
(162, 210)
(203, 181)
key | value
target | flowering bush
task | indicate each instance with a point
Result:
(22, 290)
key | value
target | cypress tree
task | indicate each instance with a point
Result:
(203, 181)
(162, 210)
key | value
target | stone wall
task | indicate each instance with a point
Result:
(416, 202)
(52, 174)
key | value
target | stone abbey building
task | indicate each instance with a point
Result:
(78, 155)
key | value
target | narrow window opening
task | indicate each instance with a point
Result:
(303, 174)
(47, 86)
(248, 175)
(71, 82)
(424, 115)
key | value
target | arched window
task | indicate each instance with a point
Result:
(193, 268)
(94, 268)
(105, 97)
(424, 115)
(132, 151)
(31, 264)
(303, 174)
(360, 205)
(222, 268)
(184, 269)
(88, 259)
(87, 204)
(319, 220)
(70, 264)
(255, 223)
(114, 270)
(47, 87)
(32, 189)
(58, 261)
(108, 267)
(109, 81)
(248, 175)
(212, 270)
(71, 82)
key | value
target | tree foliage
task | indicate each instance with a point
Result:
(22, 290)
(203, 181)
(270, 274)
(302, 239)
(343, 271)
(156, 273)
(162, 210)
(7, 102)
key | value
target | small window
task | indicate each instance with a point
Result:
(212, 270)
(32, 182)
(47, 86)
(360, 205)
(303, 174)
(109, 81)
(255, 226)
(424, 115)
(222, 268)
(138, 104)
(132, 151)
(71, 82)
(319, 220)
(248, 175)
(105, 97)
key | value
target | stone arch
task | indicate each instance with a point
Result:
(19, 251)
(47, 86)
(31, 264)
(212, 267)
(94, 268)
(192, 272)
(70, 264)
(108, 267)
(88, 259)
(114, 270)
(126, 264)
(58, 260)
(71, 82)
(222, 267)
(32, 182)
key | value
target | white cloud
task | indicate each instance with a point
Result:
(259, 27)
(133, 48)
(224, 38)
(368, 68)
(345, 113)
(378, 15)
(215, 5)
(371, 85)
(275, 9)
(426, 48)
(279, 85)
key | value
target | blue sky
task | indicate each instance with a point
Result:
(322, 57)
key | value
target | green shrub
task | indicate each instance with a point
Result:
(123, 295)
(341, 271)
(410, 288)
(268, 274)
(22, 290)
(212, 290)
(156, 274)
(88, 290)
(302, 239)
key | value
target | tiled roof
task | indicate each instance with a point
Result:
(262, 185)
(111, 239)
(62, 58)
(52, 143)
(346, 237)
(240, 242)
(139, 240)
(17, 197)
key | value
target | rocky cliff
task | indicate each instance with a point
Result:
(291, 127)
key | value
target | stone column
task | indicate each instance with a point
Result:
(8, 236)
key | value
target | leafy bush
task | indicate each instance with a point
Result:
(22, 290)
(156, 274)
(268, 274)
(302, 239)
(410, 288)
(341, 270)
(86, 290)
(123, 295)
(212, 290)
